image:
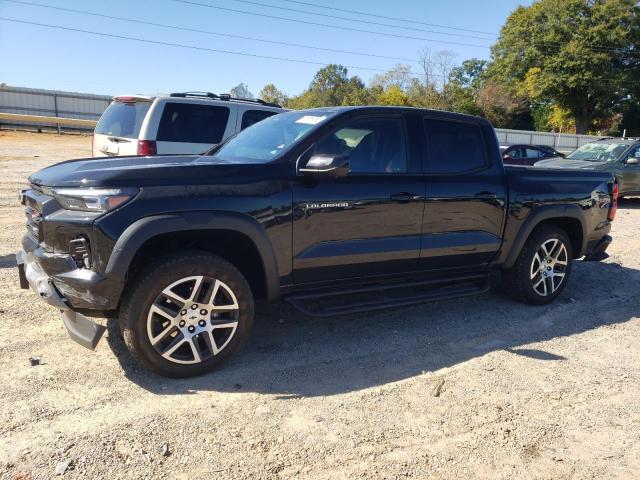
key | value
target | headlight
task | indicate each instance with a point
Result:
(92, 199)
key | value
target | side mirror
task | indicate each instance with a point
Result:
(632, 161)
(326, 165)
(507, 158)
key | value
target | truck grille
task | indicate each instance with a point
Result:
(32, 199)
(34, 217)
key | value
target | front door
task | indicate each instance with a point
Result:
(367, 223)
(630, 173)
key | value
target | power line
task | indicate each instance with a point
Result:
(209, 32)
(338, 17)
(182, 45)
(596, 48)
(416, 22)
(338, 27)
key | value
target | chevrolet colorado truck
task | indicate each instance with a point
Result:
(336, 210)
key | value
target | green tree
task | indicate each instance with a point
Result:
(332, 86)
(582, 55)
(271, 93)
(393, 95)
(470, 73)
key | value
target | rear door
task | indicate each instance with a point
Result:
(119, 126)
(465, 197)
(533, 154)
(369, 222)
(193, 128)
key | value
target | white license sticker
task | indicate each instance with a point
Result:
(310, 119)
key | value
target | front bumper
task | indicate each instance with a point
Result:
(81, 329)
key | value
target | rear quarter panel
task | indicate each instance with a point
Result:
(579, 194)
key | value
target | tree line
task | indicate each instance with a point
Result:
(557, 65)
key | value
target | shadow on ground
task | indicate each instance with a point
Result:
(292, 355)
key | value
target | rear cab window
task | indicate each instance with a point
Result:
(454, 147)
(123, 119)
(193, 123)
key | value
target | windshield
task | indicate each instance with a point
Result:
(266, 140)
(598, 152)
(123, 119)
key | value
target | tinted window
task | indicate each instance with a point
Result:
(375, 145)
(254, 116)
(516, 153)
(123, 119)
(192, 123)
(454, 147)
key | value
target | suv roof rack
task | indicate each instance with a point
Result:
(224, 97)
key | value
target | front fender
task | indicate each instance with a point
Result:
(146, 228)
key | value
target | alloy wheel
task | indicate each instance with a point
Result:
(193, 319)
(549, 267)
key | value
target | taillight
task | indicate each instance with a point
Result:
(614, 202)
(147, 147)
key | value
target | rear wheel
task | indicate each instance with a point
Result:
(542, 268)
(187, 313)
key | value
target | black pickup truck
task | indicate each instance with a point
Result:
(336, 210)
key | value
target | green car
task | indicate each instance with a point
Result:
(619, 156)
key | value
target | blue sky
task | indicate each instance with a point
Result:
(40, 57)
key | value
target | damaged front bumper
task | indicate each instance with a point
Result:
(81, 328)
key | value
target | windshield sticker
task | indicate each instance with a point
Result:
(310, 119)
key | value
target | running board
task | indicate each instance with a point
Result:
(330, 302)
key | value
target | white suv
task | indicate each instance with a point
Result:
(183, 123)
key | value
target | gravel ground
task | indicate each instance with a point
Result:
(476, 388)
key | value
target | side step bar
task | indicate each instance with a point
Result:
(330, 302)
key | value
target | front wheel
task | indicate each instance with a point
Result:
(542, 268)
(186, 314)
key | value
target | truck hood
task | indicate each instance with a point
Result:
(559, 162)
(146, 171)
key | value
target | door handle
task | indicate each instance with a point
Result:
(486, 196)
(404, 197)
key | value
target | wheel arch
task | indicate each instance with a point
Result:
(200, 227)
(568, 217)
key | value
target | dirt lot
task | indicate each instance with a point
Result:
(475, 388)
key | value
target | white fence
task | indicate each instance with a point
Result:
(51, 103)
(562, 142)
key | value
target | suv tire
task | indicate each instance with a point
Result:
(542, 268)
(186, 313)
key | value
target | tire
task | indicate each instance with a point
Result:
(523, 280)
(168, 322)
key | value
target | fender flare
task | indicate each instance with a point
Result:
(538, 216)
(146, 228)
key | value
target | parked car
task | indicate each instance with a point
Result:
(523, 154)
(180, 123)
(618, 156)
(337, 210)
